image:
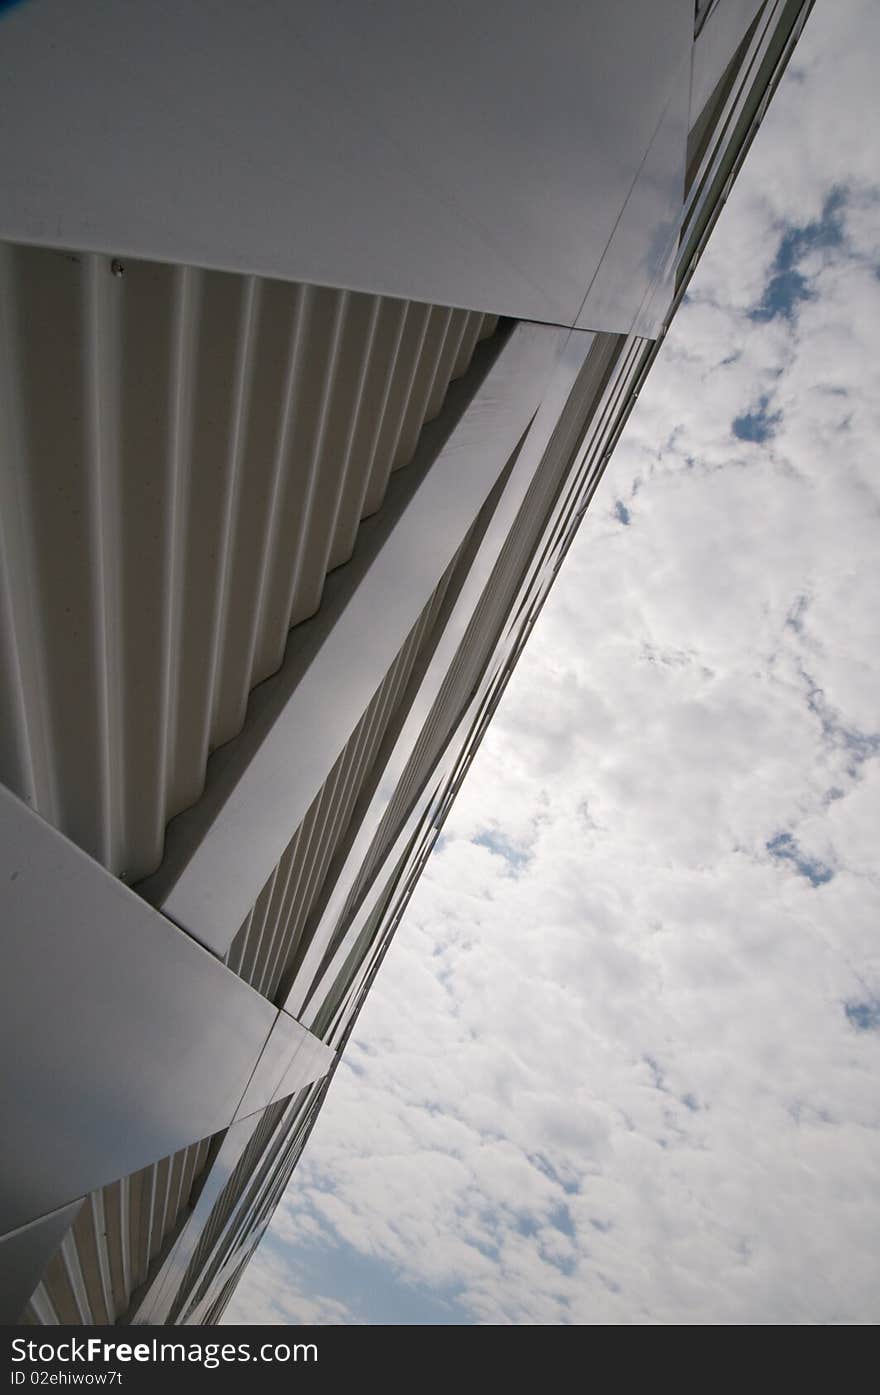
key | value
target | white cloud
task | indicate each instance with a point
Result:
(274, 1297)
(613, 1079)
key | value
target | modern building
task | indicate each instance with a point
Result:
(319, 325)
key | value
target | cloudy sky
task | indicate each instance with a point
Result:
(622, 1061)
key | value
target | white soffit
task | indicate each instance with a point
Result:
(183, 457)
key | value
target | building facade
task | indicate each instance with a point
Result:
(319, 327)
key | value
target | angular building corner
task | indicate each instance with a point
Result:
(319, 327)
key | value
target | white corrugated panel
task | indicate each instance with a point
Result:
(184, 455)
(117, 1235)
(118, 1238)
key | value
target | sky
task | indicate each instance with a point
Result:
(621, 1064)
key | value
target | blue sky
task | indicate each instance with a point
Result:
(621, 1063)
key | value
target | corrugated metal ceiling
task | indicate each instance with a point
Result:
(119, 1231)
(185, 454)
